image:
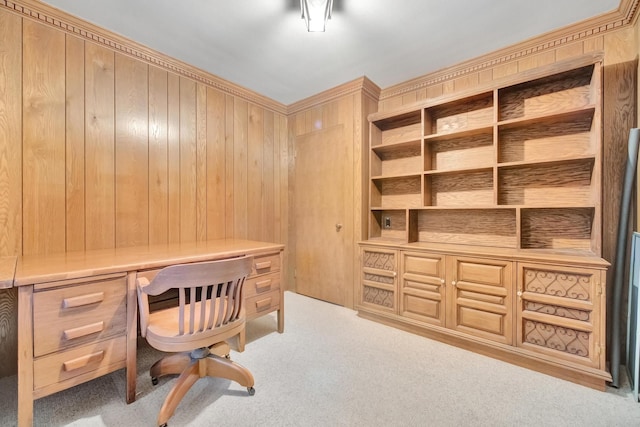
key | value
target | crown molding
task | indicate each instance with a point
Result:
(626, 14)
(48, 15)
(361, 84)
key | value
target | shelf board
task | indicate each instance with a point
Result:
(445, 136)
(459, 171)
(559, 116)
(386, 148)
(400, 176)
(390, 120)
(548, 162)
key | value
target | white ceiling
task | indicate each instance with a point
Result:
(263, 45)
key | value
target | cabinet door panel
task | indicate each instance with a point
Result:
(422, 295)
(378, 285)
(479, 292)
(559, 312)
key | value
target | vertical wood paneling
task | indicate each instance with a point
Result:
(173, 152)
(201, 165)
(75, 203)
(216, 164)
(240, 179)
(43, 139)
(10, 134)
(10, 177)
(99, 147)
(255, 138)
(267, 230)
(188, 160)
(158, 159)
(229, 166)
(132, 152)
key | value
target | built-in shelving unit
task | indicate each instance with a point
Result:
(499, 164)
(485, 220)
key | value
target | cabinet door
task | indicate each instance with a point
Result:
(479, 292)
(561, 312)
(379, 280)
(422, 290)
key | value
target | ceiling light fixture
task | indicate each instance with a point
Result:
(316, 13)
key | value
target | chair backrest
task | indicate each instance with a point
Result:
(214, 290)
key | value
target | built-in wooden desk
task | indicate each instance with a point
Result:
(77, 311)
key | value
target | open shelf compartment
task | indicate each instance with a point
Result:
(480, 227)
(562, 136)
(459, 189)
(559, 229)
(397, 159)
(564, 91)
(397, 192)
(396, 129)
(567, 183)
(466, 113)
(388, 224)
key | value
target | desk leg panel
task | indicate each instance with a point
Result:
(25, 356)
(132, 334)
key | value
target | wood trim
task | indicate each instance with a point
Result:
(363, 84)
(53, 17)
(626, 14)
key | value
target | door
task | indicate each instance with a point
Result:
(323, 250)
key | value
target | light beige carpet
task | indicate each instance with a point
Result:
(332, 368)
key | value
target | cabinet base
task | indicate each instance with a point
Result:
(585, 376)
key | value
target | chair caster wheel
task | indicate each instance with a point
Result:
(154, 381)
(251, 391)
(164, 425)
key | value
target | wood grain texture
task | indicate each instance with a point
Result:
(158, 156)
(229, 166)
(240, 169)
(216, 164)
(100, 147)
(268, 158)
(131, 152)
(75, 144)
(10, 135)
(188, 161)
(173, 152)
(201, 166)
(43, 138)
(255, 153)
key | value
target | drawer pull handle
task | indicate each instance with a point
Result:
(263, 304)
(262, 265)
(263, 285)
(83, 361)
(83, 331)
(82, 300)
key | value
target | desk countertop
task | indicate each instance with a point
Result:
(34, 269)
(7, 271)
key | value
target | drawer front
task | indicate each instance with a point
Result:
(262, 304)
(260, 285)
(379, 282)
(78, 314)
(68, 364)
(263, 264)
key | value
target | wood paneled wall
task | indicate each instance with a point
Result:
(99, 149)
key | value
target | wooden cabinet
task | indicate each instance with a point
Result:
(480, 297)
(379, 280)
(79, 330)
(484, 197)
(560, 312)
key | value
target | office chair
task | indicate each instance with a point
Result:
(209, 312)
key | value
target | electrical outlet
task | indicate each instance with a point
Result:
(387, 222)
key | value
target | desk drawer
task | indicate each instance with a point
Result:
(259, 285)
(262, 304)
(263, 264)
(78, 314)
(68, 364)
